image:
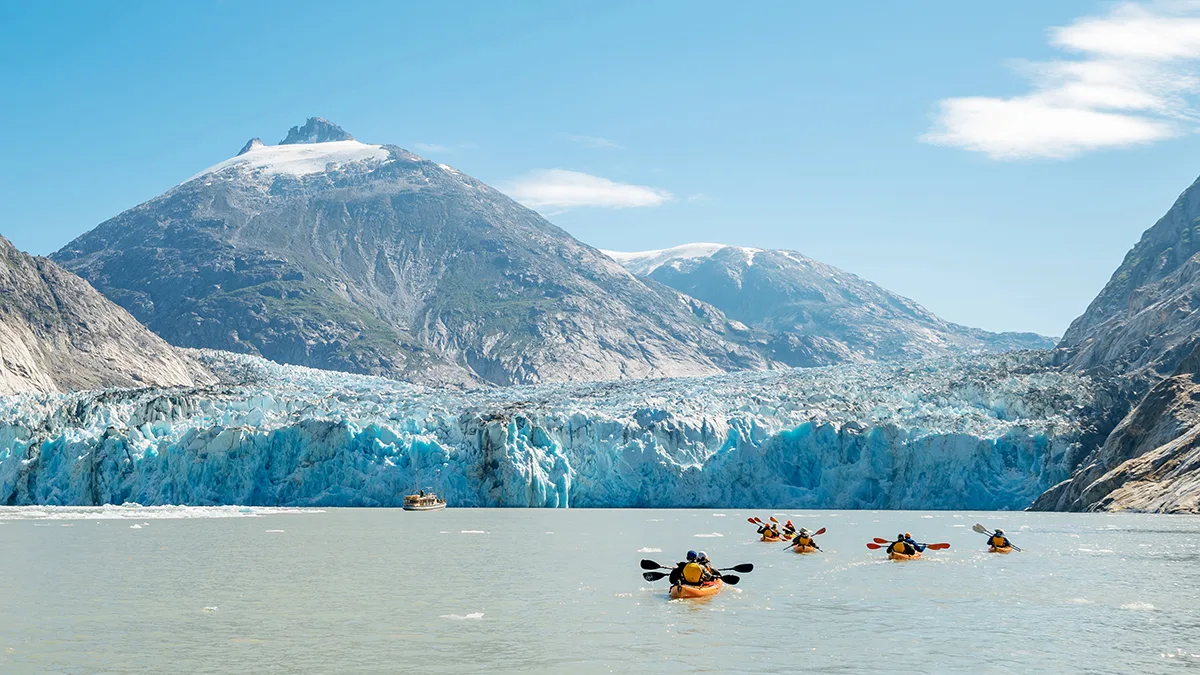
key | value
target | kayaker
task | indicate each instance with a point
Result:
(909, 540)
(710, 572)
(677, 574)
(998, 540)
(803, 538)
(903, 544)
(768, 531)
(789, 530)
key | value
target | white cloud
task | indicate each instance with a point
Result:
(591, 141)
(430, 147)
(1132, 84)
(562, 189)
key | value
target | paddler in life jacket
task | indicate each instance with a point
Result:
(677, 574)
(789, 530)
(998, 540)
(710, 572)
(904, 544)
(768, 531)
(694, 572)
(803, 538)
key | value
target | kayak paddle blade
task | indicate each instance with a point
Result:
(731, 579)
(650, 565)
(980, 529)
(820, 531)
(653, 576)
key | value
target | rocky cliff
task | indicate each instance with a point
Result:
(57, 334)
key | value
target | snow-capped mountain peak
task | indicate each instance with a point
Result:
(645, 262)
(300, 160)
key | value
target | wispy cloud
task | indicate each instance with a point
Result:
(437, 148)
(590, 141)
(562, 189)
(1133, 83)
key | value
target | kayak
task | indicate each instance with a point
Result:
(904, 556)
(805, 549)
(1002, 549)
(766, 538)
(683, 591)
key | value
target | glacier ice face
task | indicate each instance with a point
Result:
(987, 432)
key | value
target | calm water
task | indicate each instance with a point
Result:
(381, 591)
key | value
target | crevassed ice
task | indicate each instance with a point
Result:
(966, 432)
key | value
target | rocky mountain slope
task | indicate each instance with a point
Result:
(327, 252)
(57, 334)
(1144, 328)
(816, 313)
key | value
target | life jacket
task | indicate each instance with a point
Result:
(998, 541)
(901, 547)
(802, 541)
(771, 533)
(693, 573)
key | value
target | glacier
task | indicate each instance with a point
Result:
(959, 432)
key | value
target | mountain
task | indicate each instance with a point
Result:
(1143, 329)
(817, 313)
(328, 252)
(57, 334)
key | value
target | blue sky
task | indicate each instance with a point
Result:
(993, 161)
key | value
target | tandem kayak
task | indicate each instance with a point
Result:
(684, 591)
(766, 538)
(1001, 549)
(904, 556)
(805, 549)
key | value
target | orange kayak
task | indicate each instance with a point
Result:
(904, 556)
(805, 549)
(766, 538)
(702, 591)
(1002, 549)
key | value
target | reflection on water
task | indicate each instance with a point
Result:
(382, 591)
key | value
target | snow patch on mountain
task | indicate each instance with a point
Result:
(645, 262)
(300, 159)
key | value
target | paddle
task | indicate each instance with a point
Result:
(651, 565)
(743, 568)
(814, 544)
(932, 547)
(983, 530)
(654, 576)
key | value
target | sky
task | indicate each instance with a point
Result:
(992, 161)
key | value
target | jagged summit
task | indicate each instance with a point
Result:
(250, 145)
(316, 130)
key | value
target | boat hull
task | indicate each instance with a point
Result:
(683, 591)
(425, 507)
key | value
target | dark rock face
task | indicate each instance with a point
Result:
(341, 255)
(1150, 462)
(1144, 329)
(57, 334)
(816, 314)
(1144, 321)
(316, 130)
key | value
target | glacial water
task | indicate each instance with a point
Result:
(233, 591)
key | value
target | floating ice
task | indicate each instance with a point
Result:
(649, 550)
(464, 617)
(970, 432)
(710, 535)
(1138, 606)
